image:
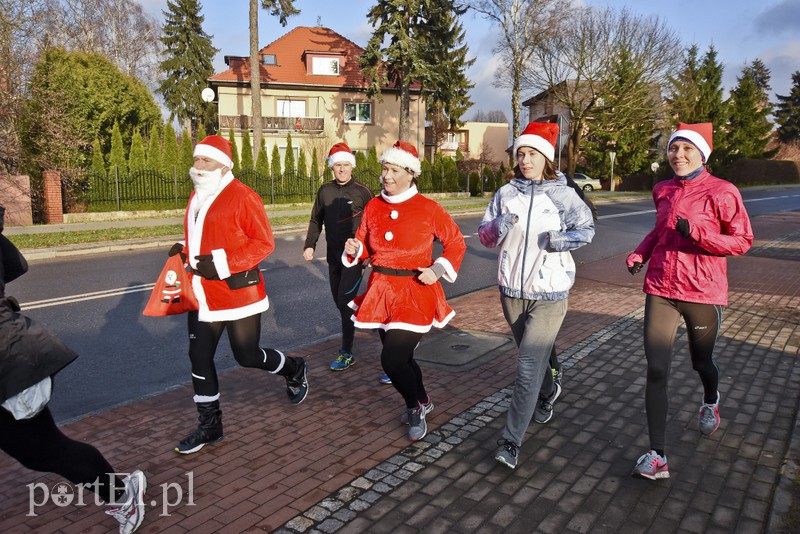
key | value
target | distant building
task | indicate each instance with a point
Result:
(313, 87)
(484, 141)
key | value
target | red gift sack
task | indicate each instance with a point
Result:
(172, 293)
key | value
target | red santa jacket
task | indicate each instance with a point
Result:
(233, 227)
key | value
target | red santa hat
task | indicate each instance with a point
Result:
(217, 148)
(404, 155)
(341, 153)
(541, 136)
(700, 135)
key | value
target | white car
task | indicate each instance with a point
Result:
(585, 182)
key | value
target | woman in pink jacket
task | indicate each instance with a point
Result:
(700, 219)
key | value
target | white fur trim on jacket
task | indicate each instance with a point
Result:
(401, 158)
(695, 138)
(534, 141)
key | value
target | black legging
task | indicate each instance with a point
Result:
(397, 358)
(345, 282)
(661, 319)
(38, 444)
(244, 335)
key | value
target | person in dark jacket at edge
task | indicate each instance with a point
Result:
(30, 356)
(700, 219)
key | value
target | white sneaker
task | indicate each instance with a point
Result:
(131, 513)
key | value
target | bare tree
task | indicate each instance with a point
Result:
(579, 62)
(525, 25)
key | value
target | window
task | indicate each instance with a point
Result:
(325, 66)
(291, 108)
(269, 59)
(358, 112)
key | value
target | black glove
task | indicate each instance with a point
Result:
(682, 227)
(177, 248)
(635, 268)
(205, 266)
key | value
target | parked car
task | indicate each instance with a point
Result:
(585, 182)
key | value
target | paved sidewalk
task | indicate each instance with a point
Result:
(340, 462)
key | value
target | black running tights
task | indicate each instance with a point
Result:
(39, 445)
(398, 361)
(345, 282)
(244, 335)
(661, 319)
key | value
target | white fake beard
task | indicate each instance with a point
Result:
(205, 183)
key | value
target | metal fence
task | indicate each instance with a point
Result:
(154, 189)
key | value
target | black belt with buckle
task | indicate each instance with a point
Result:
(394, 272)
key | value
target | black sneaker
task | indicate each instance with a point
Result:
(507, 454)
(297, 384)
(544, 407)
(197, 440)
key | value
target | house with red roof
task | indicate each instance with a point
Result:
(312, 87)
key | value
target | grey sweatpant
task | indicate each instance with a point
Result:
(534, 324)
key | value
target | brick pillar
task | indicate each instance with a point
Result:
(53, 206)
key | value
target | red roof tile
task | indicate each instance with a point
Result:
(290, 52)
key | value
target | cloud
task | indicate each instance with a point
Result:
(783, 17)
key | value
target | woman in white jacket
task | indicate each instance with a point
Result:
(536, 219)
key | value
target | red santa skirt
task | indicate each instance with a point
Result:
(401, 302)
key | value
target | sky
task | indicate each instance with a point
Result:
(741, 31)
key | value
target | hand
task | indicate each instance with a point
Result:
(635, 268)
(427, 276)
(205, 264)
(308, 254)
(682, 227)
(351, 246)
(177, 248)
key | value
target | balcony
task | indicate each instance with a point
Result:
(310, 125)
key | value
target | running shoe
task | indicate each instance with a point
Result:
(651, 465)
(343, 360)
(709, 417)
(417, 427)
(544, 407)
(507, 454)
(131, 513)
(297, 384)
(427, 408)
(384, 379)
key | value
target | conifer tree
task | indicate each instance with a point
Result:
(170, 152)
(136, 159)
(189, 55)
(787, 112)
(262, 161)
(187, 153)
(98, 165)
(288, 161)
(685, 91)
(154, 151)
(302, 166)
(749, 127)
(275, 163)
(313, 171)
(117, 161)
(247, 153)
(234, 149)
(201, 133)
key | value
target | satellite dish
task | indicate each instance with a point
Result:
(207, 94)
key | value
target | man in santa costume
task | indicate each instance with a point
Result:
(338, 207)
(227, 235)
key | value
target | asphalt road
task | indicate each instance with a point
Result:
(95, 302)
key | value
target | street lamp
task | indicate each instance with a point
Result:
(613, 156)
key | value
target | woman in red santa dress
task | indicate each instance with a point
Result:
(404, 298)
(227, 235)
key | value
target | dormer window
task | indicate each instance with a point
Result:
(325, 66)
(268, 59)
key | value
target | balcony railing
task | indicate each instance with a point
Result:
(273, 124)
